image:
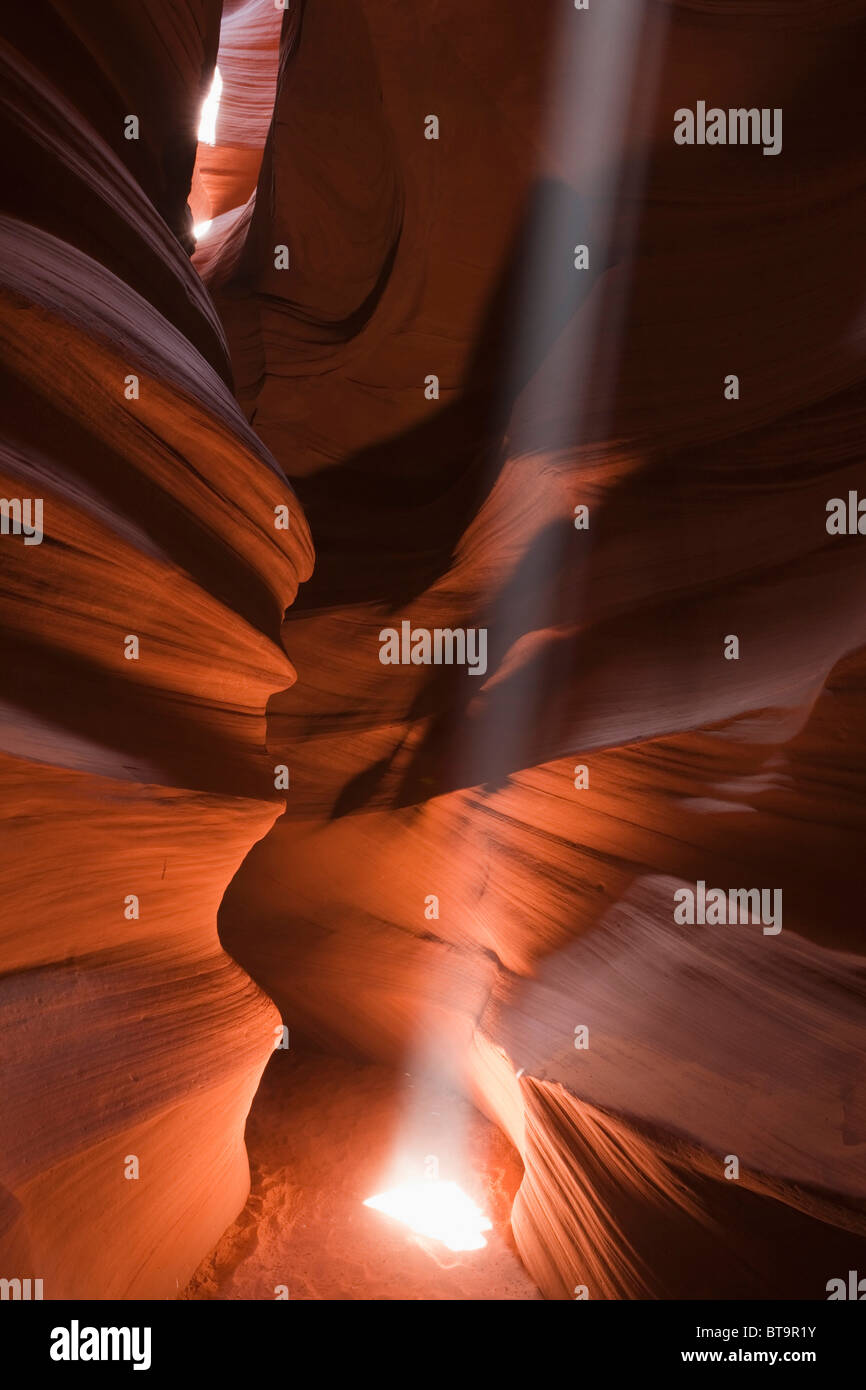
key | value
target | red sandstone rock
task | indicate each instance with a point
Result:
(123, 1034)
(557, 388)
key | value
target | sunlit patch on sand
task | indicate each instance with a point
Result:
(438, 1210)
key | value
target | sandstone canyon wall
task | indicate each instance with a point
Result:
(127, 1030)
(451, 506)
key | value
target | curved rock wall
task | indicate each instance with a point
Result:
(133, 783)
(606, 646)
(407, 259)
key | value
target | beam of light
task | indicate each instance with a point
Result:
(207, 124)
(605, 68)
(438, 1210)
(201, 229)
(604, 79)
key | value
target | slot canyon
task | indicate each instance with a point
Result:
(419, 320)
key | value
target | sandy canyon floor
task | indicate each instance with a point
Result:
(321, 1137)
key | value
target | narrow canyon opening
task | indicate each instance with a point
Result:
(358, 1172)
